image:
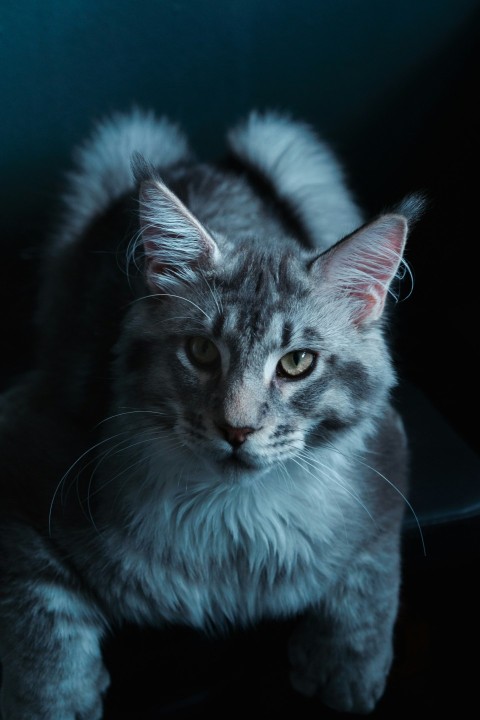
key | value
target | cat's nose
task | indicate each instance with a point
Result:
(236, 436)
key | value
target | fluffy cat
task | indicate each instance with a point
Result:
(207, 437)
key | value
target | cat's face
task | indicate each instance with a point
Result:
(250, 365)
(246, 352)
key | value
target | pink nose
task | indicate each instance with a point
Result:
(236, 436)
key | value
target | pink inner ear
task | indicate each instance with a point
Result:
(365, 263)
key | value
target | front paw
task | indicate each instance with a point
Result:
(79, 697)
(345, 678)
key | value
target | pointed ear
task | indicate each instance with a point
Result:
(363, 265)
(175, 242)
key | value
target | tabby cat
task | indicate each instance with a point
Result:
(207, 436)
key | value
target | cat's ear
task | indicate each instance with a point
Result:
(175, 242)
(362, 266)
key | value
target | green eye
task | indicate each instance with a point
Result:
(296, 364)
(202, 351)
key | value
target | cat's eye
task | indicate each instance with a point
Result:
(202, 352)
(296, 364)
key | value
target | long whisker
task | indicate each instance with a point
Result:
(361, 461)
(216, 299)
(321, 468)
(144, 459)
(108, 454)
(60, 488)
(404, 498)
(134, 411)
(129, 467)
(65, 475)
(285, 474)
(75, 480)
(299, 463)
(179, 297)
(105, 454)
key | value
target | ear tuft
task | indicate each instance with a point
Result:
(176, 244)
(142, 170)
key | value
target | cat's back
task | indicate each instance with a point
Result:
(278, 181)
(273, 170)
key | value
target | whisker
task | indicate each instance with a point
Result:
(110, 453)
(286, 475)
(171, 295)
(131, 412)
(302, 455)
(299, 463)
(160, 450)
(65, 475)
(60, 488)
(156, 451)
(75, 479)
(320, 466)
(216, 299)
(361, 461)
(144, 459)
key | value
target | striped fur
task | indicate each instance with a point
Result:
(210, 435)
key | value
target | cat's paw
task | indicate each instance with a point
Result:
(92, 706)
(344, 680)
(81, 698)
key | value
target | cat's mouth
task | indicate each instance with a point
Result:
(234, 461)
(235, 469)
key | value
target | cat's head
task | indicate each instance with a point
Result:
(248, 352)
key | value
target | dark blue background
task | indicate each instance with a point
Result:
(394, 86)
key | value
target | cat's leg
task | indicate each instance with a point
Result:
(343, 651)
(50, 652)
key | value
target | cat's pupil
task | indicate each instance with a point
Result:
(296, 364)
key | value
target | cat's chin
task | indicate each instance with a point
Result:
(231, 467)
(238, 463)
(235, 469)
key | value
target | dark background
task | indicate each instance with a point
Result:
(394, 87)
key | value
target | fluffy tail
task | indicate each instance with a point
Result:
(303, 171)
(103, 164)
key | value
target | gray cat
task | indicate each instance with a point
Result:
(207, 437)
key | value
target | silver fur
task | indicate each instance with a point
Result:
(157, 487)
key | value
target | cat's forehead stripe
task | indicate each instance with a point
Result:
(262, 274)
(249, 325)
(219, 324)
(312, 335)
(287, 333)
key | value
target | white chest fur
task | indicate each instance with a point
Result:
(213, 553)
